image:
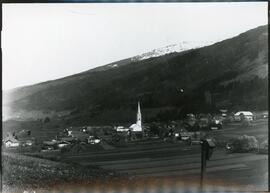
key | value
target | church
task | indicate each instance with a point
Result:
(137, 127)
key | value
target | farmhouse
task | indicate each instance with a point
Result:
(63, 144)
(67, 139)
(93, 140)
(11, 142)
(78, 135)
(27, 142)
(121, 129)
(14, 141)
(243, 115)
(50, 143)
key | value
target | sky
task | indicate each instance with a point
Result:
(42, 42)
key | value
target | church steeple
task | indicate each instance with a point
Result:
(137, 127)
(139, 116)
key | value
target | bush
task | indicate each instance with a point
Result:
(245, 143)
(264, 147)
(46, 120)
(264, 144)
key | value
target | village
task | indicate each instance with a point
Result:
(191, 131)
(236, 142)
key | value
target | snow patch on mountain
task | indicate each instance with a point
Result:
(113, 65)
(180, 47)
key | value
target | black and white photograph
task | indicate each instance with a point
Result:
(134, 97)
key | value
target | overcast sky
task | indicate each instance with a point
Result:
(42, 42)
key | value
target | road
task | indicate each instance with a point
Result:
(155, 158)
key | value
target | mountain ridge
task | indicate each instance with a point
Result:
(155, 81)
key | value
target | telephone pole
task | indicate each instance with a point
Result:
(203, 163)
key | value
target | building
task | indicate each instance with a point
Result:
(11, 142)
(137, 127)
(27, 142)
(62, 144)
(78, 135)
(241, 115)
(14, 141)
(50, 143)
(121, 129)
(67, 139)
(93, 140)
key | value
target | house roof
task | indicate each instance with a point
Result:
(49, 142)
(67, 139)
(26, 138)
(11, 139)
(246, 113)
(80, 137)
(76, 129)
(78, 134)
(64, 142)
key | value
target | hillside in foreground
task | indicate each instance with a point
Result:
(28, 173)
(232, 74)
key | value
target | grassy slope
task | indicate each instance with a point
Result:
(22, 173)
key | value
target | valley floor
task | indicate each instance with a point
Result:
(153, 165)
(158, 160)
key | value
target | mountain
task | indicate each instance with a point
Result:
(231, 74)
(179, 47)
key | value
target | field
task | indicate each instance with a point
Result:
(154, 163)
(156, 159)
(40, 130)
(22, 172)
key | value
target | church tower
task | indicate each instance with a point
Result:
(139, 116)
(137, 127)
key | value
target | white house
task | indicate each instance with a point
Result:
(93, 140)
(63, 144)
(26, 142)
(245, 114)
(121, 129)
(11, 142)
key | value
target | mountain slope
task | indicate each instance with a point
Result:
(234, 72)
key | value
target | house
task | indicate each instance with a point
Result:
(27, 142)
(93, 140)
(243, 115)
(50, 143)
(69, 130)
(261, 115)
(223, 112)
(11, 142)
(14, 141)
(62, 144)
(121, 129)
(67, 139)
(78, 135)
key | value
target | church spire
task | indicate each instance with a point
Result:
(139, 115)
(137, 127)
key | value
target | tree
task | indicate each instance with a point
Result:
(46, 120)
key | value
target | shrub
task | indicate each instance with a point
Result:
(245, 143)
(264, 147)
(264, 144)
(46, 120)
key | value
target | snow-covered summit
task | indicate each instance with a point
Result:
(180, 47)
